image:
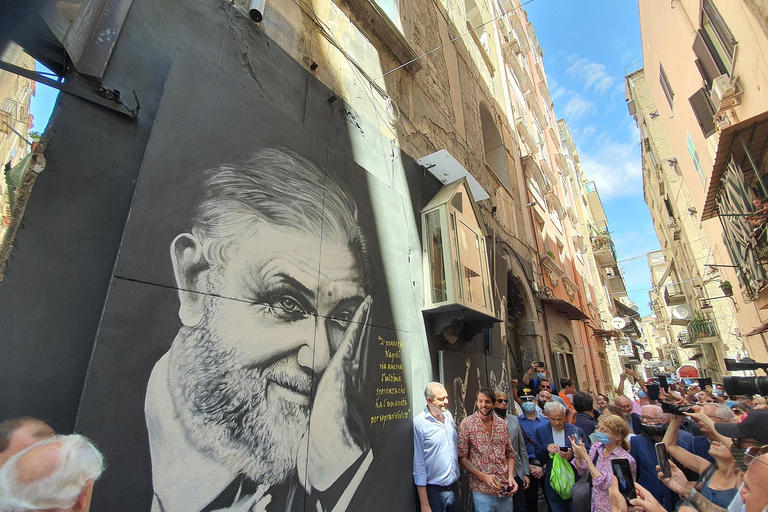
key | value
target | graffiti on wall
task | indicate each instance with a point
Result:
(264, 371)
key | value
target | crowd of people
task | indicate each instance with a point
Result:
(547, 447)
(537, 448)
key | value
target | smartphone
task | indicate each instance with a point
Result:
(653, 391)
(663, 459)
(623, 474)
(703, 383)
(663, 383)
(538, 364)
(563, 449)
(628, 366)
(687, 382)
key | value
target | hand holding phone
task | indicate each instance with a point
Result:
(623, 473)
(663, 459)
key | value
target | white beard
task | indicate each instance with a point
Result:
(224, 408)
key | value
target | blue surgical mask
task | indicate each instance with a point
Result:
(719, 392)
(731, 403)
(641, 394)
(529, 407)
(541, 376)
(602, 438)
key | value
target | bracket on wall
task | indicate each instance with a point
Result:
(102, 96)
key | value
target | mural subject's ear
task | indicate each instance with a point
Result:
(189, 264)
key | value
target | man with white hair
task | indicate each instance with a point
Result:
(17, 434)
(553, 440)
(54, 475)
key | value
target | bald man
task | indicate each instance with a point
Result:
(16, 434)
(56, 474)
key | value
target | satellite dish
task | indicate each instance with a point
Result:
(618, 323)
(682, 312)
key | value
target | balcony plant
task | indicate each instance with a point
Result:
(551, 254)
(727, 288)
(698, 327)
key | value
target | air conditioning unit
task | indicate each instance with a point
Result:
(632, 107)
(725, 92)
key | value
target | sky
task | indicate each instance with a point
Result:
(42, 102)
(589, 46)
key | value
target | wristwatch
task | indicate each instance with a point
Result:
(691, 494)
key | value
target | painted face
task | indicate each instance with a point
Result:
(484, 404)
(276, 312)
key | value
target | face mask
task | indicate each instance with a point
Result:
(731, 403)
(541, 376)
(529, 407)
(602, 438)
(653, 430)
(739, 456)
(719, 392)
(641, 394)
(500, 412)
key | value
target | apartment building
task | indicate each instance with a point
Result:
(690, 307)
(708, 68)
(15, 121)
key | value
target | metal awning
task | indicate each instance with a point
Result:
(695, 356)
(565, 308)
(754, 131)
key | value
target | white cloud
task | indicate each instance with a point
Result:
(614, 166)
(593, 74)
(588, 131)
(577, 107)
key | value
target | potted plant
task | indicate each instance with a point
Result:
(551, 254)
(697, 326)
(727, 288)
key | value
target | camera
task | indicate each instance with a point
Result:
(735, 386)
(677, 410)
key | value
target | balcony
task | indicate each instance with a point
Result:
(701, 330)
(518, 69)
(684, 340)
(545, 92)
(602, 245)
(526, 136)
(517, 25)
(673, 295)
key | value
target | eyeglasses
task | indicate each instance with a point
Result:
(502, 400)
(753, 452)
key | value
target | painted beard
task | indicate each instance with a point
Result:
(225, 408)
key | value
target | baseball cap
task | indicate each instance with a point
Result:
(751, 426)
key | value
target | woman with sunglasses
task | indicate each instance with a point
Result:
(718, 481)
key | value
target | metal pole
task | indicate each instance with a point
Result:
(17, 133)
(752, 163)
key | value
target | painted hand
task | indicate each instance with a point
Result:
(330, 447)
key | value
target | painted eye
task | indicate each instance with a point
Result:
(288, 308)
(343, 318)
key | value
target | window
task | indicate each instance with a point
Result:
(495, 155)
(392, 9)
(717, 37)
(665, 86)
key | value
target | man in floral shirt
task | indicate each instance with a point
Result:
(486, 452)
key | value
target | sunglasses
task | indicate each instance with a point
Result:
(753, 452)
(502, 400)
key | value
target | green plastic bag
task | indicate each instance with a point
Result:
(562, 478)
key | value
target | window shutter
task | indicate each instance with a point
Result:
(706, 62)
(705, 114)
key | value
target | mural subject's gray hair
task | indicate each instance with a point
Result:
(282, 189)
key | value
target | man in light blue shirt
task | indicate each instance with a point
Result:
(435, 454)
